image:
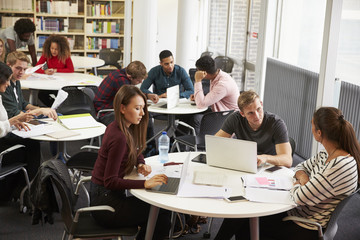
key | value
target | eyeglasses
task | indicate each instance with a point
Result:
(20, 68)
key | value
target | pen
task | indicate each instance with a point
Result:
(172, 163)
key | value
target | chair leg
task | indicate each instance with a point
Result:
(173, 146)
(207, 234)
(173, 220)
(27, 187)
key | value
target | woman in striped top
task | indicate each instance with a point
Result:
(321, 182)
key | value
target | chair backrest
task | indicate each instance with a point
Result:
(77, 101)
(206, 54)
(111, 56)
(224, 63)
(65, 206)
(212, 122)
(332, 225)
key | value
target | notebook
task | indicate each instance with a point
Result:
(174, 184)
(172, 94)
(231, 153)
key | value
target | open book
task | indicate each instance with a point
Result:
(77, 121)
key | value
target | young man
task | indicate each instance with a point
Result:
(165, 75)
(223, 92)
(13, 99)
(265, 128)
(133, 74)
(20, 35)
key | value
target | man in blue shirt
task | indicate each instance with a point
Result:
(165, 75)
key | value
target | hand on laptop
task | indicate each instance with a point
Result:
(261, 160)
(156, 180)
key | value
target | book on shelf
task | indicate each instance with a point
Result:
(94, 43)
(16, 5)
(78, 121)
(57, 7)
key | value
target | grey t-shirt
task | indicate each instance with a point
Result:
(272, 131)
(9, 33)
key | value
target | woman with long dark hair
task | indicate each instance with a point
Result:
(320, 183)
(121, 149)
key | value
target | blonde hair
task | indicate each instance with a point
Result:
(2, 56)
(14, 56)
(246, 98)
(63, 46)
(136, 133)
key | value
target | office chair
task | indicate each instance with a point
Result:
(332, 225)
(210, 124)
(293, 145)
(82, 162)
(207, 53)
(12, 169)
(226, 64)
(79, 223)
(112, 57)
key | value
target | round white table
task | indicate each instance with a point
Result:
(84, 133)
(208, 206)
(184, 107)
(87, 62)
(38, 81)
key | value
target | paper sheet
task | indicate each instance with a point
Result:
(33, 69)
(192, 190)
(268, 196)
(60, 98)
(37, 130)
(78, 121)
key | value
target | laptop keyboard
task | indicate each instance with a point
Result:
(171, 186)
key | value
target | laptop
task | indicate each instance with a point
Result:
(174, 184)
(173, 96)
(231, 153)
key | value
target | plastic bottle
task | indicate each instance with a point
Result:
(164, 144)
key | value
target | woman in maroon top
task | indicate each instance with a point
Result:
(56, 54)
(123, 142)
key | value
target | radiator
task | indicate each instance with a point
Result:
(291, 92)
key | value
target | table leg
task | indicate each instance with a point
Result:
(153, 214)
(95, 71)
(173, 220)
(254, 228)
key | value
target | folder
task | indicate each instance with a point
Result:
(78, 121)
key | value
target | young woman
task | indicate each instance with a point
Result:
(2, 50)
(123, 142)
(321, 182)
(56, 54)
(30, 154)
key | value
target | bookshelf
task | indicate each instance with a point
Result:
(90, 25)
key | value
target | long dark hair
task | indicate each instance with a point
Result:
(136, 133)
(330, 121)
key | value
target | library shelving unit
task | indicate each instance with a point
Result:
(89, 25)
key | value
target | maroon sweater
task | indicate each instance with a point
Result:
(110, 164)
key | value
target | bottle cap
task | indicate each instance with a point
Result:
(164, 133)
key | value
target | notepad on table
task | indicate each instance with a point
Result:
(209, 178)
(77, 121)
(62, 134)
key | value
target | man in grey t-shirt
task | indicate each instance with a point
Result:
(265, 128)
(20, 35)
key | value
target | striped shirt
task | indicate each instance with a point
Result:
(329, 184)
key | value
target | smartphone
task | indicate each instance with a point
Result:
(36, 122)
(273, 169)
(45, 66)
(201, 158)
(235, 199)
(193, 104)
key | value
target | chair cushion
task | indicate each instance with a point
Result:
(12, 168)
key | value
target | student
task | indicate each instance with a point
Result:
(2, 51)
(268, 130)
(20, 35)
(13, 98)
(223, 92)
(165, 75)
(133, 74)
(30, 154)
(56, 54)
(120, 152)
(320, 183)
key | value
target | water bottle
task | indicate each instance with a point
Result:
(164, 143)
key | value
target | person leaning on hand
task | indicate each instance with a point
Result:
(268, 130)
